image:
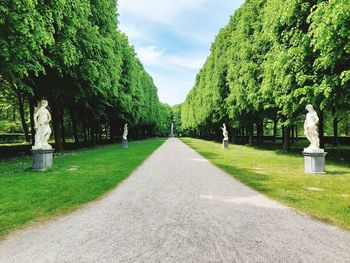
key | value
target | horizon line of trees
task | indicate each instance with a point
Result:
(272, 59)
(72, 54)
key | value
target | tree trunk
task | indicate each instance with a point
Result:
(335, 128)
(258, 133)
(286, 141)
(74, 125)
(262, 130)
(111, 131)
(251, 134)
(233, 138)
(23, 118)
(243, 135)
(85, 130)
(321, 129)
(31, 113)
(335, 132)
(63, 130)
(93, 133)
(56, 125)
(275, 123)
(100, 130)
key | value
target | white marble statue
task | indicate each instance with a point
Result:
(225, 132)
(42, 118)
(172, 130)
(125, 134)
(310, 129)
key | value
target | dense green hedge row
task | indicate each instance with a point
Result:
(273, 58)
(72, 54)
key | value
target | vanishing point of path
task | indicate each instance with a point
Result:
(177, 207)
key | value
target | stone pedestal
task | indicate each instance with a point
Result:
(125, 143)
(42, 159)
(225, 144)
(314, 161)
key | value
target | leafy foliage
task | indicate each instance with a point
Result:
(72, 54)
(272, 59)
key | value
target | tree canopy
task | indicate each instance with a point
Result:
(73, 54)
(272, 59)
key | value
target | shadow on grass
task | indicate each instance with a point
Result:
(250, 177)
(247, 176)
(336, 172)
(8, 152)
(339, 155)
(328, 205)
(255, 180)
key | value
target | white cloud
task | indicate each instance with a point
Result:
(172, 38)
(173, 74)
(131, 31)
(172, 90)
(185, 62)
(161, 11)
(151, 56)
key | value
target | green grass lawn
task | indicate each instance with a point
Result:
(77, 177)
(280, 175)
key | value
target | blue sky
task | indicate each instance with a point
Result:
(172, 38)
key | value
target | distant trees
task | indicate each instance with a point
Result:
(72, 54)
(273, 58)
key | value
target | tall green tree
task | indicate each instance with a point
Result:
(273, 58)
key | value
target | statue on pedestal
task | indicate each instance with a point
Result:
(225, 132)
(314, 157)
(42, 118)
(125, 134)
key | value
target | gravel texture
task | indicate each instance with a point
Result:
(177, 207)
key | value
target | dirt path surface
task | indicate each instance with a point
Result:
(177, 207)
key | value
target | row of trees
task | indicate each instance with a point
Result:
(273, 58)
(72, 54)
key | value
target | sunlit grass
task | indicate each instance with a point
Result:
(77, 177)
(14, 144)
(280, 175)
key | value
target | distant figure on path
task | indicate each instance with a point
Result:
(125, 134)
(42, 118)
(225, 132)
(310, 128)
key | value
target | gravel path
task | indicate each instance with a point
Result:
(177, 207)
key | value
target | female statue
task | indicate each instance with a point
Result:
(310, 128)
(42, 118)
(125, 134)
(225, 132)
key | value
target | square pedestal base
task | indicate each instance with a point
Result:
(125, 143)
(225, 144)
(315, 161)
(42, 159)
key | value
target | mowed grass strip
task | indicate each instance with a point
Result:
(77, 178)
(280, 175)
